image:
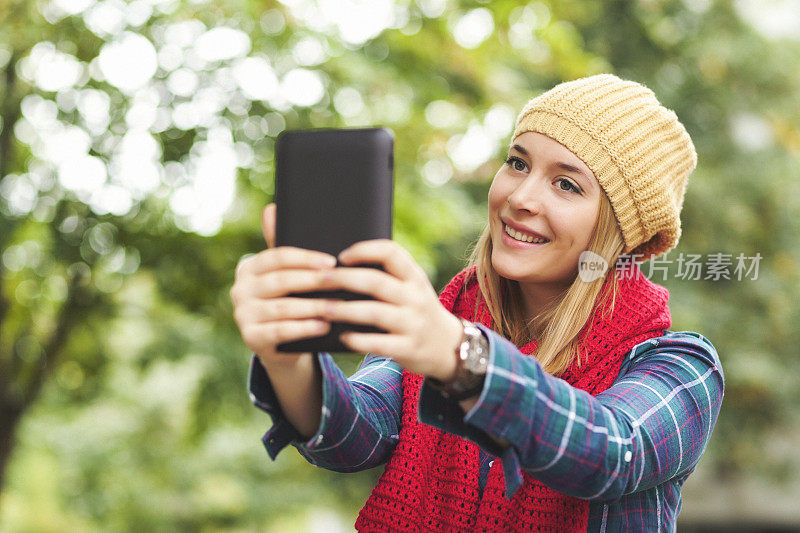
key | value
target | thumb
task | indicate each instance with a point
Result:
(268, 224)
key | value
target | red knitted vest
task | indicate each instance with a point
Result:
(431, 480)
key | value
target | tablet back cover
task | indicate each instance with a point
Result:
(333, 188)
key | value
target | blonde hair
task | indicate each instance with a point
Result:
(556, 327)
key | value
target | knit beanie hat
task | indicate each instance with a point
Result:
(637, 149)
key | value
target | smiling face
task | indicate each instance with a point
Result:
(546, 192)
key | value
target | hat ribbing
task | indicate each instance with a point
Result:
(639, 152)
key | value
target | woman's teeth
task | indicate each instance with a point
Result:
(519, 236)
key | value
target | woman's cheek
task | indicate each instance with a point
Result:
(497, 194)
(493, 193)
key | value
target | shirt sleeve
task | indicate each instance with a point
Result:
(360, 418)
(651, 425)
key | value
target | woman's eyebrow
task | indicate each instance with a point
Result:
(521, 150)
(570, 168)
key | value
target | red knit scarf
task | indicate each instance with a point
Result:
(431, 480)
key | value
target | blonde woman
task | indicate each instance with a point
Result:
(542, 390)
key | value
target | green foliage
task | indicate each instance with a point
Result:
(118, 351)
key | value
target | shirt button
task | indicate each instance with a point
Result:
(319, 439)
(628, 456)
(491, 463)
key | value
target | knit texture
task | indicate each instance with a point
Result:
(639, 152)
(431, 480)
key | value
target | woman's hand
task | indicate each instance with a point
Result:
(421, 334)
(265, 316)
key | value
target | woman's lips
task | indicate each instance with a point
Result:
(520, 229)
(519, 245)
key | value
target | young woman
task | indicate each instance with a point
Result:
(535, 393)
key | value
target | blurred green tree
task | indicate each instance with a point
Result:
(136, 154)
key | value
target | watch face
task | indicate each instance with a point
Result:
(477, 357)
(477, 364)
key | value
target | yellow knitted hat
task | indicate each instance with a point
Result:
(637, 149)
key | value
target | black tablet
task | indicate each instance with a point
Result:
(333, 188)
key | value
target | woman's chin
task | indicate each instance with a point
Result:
(512, 271)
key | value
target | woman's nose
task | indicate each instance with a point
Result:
(527, 196)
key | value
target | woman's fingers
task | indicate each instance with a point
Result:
(281, 309)
(257, 334)
(277, 284)
(380, 343)
(395, 259)
(371, 281)
(388, 317)
(284, 257)
(268, 224)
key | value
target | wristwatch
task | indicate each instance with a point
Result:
(472, 360)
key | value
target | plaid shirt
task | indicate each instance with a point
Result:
(628, 450)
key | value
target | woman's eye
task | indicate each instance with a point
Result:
(516, 163)
(566, 185)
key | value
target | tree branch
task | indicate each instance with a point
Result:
(11, 113)
(78, 299)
